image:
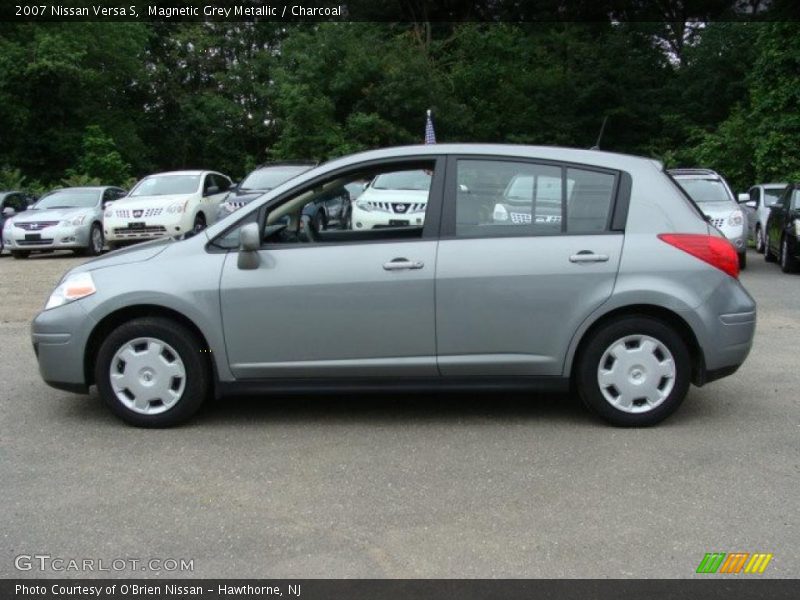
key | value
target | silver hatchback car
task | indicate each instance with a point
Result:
(629, 297)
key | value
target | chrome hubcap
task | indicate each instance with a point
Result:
(636, 373)
(147, 376)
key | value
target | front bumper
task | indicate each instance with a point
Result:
(120, 230)
(363, 219)
(59, 337)
(57, 237)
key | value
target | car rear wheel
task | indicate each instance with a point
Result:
(788, 262)
(20, 253)
(152, 372)
(634, 371)
(759, 240)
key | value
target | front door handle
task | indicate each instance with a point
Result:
(399, 264)
(587, 256)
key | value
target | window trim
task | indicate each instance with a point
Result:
(433, 214)
(615, 221)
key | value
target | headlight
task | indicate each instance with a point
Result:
(108, 214)
(7, 224)
(74, 287)
(75, 221)
(363, 205)
(177, 207)
(736, 218)
(500, 213)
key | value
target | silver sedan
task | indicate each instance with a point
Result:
(64, 219)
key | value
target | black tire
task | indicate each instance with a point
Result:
(787, 261)
(93, 250)
(743, 261)
(20, 253)
(199, 223)
(191, 352)
(601, 340)
(768, 256)
(319, 221)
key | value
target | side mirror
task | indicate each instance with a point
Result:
(744, 198)
(8, 211)
(211, 190)
(249, 243)
(107, 204)
(463, 189)
(751, 204)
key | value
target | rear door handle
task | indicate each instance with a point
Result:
(586, 256)
(399, 264)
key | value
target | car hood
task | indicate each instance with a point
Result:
(131, 254)
(717, 209)
(150, 201)
(373, 194)
(50, 214)
(244, 196)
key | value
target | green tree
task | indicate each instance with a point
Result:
(100, 159)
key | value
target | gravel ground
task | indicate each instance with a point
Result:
(425, 486)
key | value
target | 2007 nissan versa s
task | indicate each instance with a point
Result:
(630, 295)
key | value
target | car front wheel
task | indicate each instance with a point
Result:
(152, 372)
(634, 371)
(788, 262)
(759, 240)
(768, 256)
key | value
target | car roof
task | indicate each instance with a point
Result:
(772, 185)
(693, 173)
(185, 172)
(288, 163)
(82, 187)
(600, 158)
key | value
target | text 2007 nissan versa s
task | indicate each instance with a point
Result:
(630, 296)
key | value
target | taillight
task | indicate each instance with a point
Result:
(716, 251)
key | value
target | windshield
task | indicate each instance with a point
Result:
(403, 180)
(270, 177)
(165, 185)
(75, 198)
(705, 190)
(771, 196)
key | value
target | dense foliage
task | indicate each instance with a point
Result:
(114, 101)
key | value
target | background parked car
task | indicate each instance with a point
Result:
(166, 204)
(261, 180)
(782, 237)
(393, 199)
(12, 203)
(760, 198)
(714, 197)
(63, 219)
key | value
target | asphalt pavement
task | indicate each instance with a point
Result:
(429, 486)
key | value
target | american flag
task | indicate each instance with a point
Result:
(430, 134)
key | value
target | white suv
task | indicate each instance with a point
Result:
(760, 200)
(165, 204)
(393, 199)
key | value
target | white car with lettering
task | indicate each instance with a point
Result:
(165, 204)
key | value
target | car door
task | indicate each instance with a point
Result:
(362, 306)
(512, 290)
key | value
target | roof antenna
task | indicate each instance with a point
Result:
(599, 137)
